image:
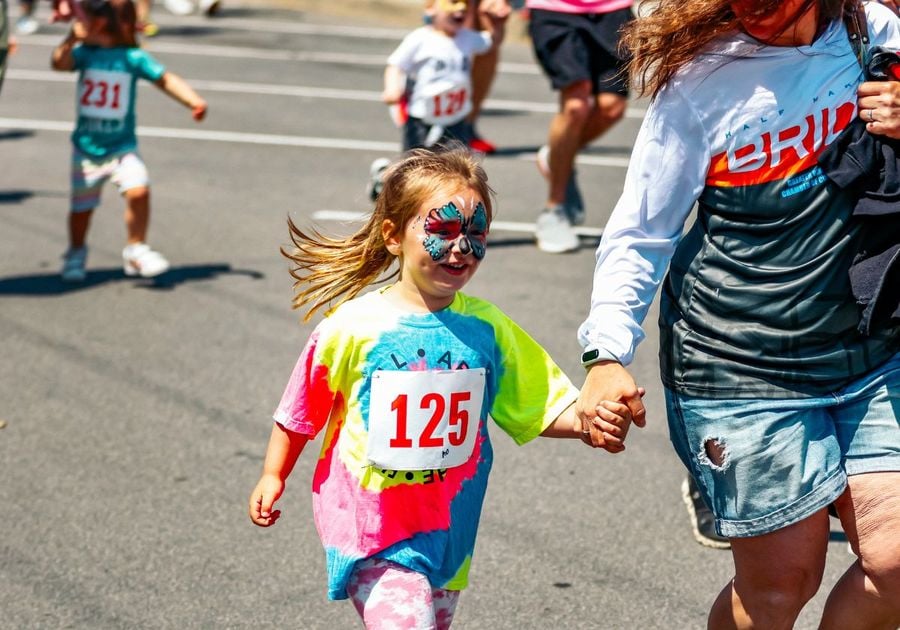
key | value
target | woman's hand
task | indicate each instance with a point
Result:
(610, 381)
(879, 107)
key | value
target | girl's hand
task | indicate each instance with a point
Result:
(879, 107)
(198, 111)
(611, 425)
(78, 31)
(267, 491)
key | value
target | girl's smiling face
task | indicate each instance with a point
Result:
(448, 16)
(440, 248)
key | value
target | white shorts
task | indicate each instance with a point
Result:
(126, 170)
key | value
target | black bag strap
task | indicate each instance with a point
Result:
(858, 29)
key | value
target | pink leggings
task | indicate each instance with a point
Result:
(389, 596)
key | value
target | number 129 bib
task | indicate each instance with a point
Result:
(422, 420)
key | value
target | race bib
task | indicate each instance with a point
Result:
(104, 94)
(424, 420)
(446, 104)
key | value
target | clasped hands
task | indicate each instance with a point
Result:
(608, 404)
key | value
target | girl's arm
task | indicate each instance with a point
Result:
(281, 455)
(607, 430)
(62, 58)
(394, 85)
(178, 88)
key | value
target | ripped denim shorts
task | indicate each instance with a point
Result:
(765, 464)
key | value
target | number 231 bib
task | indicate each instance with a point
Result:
(104, 94)
(422, 420)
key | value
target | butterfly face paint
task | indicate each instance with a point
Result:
(446, 227)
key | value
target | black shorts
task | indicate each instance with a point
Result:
(574, 47)
(415, 133)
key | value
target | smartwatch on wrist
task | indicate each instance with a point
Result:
(590, 357)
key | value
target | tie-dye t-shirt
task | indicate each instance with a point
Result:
(426, 519)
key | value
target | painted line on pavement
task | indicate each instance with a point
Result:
(219, 136)
(245, 52)
(302, 91)
(267, 139)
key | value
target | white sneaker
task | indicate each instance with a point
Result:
(376, 177)
(27, 25)
(73, 265)
(179, 7)
(209, 7)
(140, 260)
(574, 202)
(554, 233)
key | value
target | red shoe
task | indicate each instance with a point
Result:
(481, 145)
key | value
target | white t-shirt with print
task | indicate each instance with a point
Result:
(439, 68)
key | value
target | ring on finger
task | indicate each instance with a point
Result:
(871, 115)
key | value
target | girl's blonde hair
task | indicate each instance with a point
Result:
(675, 32)
(327, 269)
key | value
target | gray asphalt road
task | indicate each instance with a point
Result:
(137, 412)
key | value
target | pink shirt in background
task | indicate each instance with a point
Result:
(579, 6)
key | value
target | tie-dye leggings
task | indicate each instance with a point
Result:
(389, 596)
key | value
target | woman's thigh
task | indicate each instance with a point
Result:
(870, 515)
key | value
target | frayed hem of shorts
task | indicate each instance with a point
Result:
(884, 463)
(805, 506)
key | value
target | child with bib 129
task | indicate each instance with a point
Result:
(401, 381)
(428, 80)
(104, 50)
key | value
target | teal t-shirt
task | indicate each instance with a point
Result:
(107, 87)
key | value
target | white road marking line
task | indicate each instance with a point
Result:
(506, 226)
(266, 26)
(219, 136)
(245, 52)
(268, 139)
(272, 89)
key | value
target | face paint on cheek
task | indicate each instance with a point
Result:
(442, 226)
(476, 232)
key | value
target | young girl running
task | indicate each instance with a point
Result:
(104, 51)
(402, 380)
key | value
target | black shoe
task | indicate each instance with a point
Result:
(702, 519)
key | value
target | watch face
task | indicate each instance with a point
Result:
(590, 355)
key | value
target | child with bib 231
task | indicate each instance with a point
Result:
(104, 51)
(401, 381)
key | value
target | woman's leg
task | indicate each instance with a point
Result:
(868, 595)
(775, 575)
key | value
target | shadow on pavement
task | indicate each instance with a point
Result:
(17, 195)
(15, 134)
(50, 283)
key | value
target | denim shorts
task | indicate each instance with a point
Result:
(765, 464)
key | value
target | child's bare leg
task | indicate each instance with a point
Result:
(137, 214)
(79, 222)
